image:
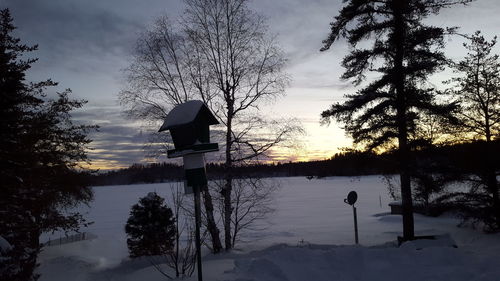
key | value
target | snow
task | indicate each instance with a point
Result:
(4, 245)
(182, 114)
(309, 237)
(151, 195)
(437, 241)
(285, 262)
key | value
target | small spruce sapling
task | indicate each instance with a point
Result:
(150, 227)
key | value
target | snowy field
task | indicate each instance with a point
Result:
(309, 237)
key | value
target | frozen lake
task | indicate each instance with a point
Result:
(312, 210)
(306, 212)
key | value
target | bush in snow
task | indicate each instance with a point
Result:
(155, 232)
(150, 227)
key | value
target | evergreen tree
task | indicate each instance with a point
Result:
(150, 227)
(477, 90)
(40, 155)
(404, 52)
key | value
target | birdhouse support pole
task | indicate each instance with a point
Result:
(355, 224)
(188, 124)
(197, 230)
(194, 166)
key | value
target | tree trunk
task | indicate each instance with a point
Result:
(28, 262)
(491, 178)
(177, 238)
(211, 225)
(492, 185)
(401, 107)
(236, 224)
(228, 187)
(407, 202)
(227, 211)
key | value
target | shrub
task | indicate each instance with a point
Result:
(150, 227)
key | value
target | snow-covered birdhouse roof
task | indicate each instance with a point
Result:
(186, 113)
(188, 124)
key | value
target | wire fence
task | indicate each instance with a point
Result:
(70, 239)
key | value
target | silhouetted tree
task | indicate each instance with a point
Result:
(223, 56)
(151, 228)
(167, 71)
(252, 200)
(244, 67)
(477, 90)
(183, 258)
(404, 51)
(41, 152)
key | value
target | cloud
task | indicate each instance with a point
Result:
(119, 142)
(73, 31)
(83, 44)
(301, 28)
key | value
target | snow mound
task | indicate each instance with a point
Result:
(325, 263)
(4, 245)
(438, 241)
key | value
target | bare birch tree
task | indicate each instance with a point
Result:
(166, 72)
(246, 66)
(222, 54)
(251, 200)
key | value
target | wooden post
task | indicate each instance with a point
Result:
(355, 225)
(197, 213)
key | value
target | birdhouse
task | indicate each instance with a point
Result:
(188, 124)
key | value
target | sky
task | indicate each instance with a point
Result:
(85, 45)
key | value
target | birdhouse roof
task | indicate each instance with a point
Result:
(186, 113)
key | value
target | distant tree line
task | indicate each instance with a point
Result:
(341, 164)
(140, 173)
(456, 159)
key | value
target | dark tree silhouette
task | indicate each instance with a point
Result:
(244, 67)
(150, 227)
(167, 71)
(404, 52)
(477, 90)
(41, 153)
(225, 57)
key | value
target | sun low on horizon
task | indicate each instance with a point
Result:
(87, 46)
(319, 142)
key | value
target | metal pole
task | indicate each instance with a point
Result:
(355, 224)
(197, 214)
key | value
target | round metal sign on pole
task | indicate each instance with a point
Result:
(352, 197)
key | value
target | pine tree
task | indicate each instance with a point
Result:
(477, 90)
(41, 151)
(404, 52)
(150, 227)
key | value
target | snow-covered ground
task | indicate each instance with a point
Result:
(309, 237)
